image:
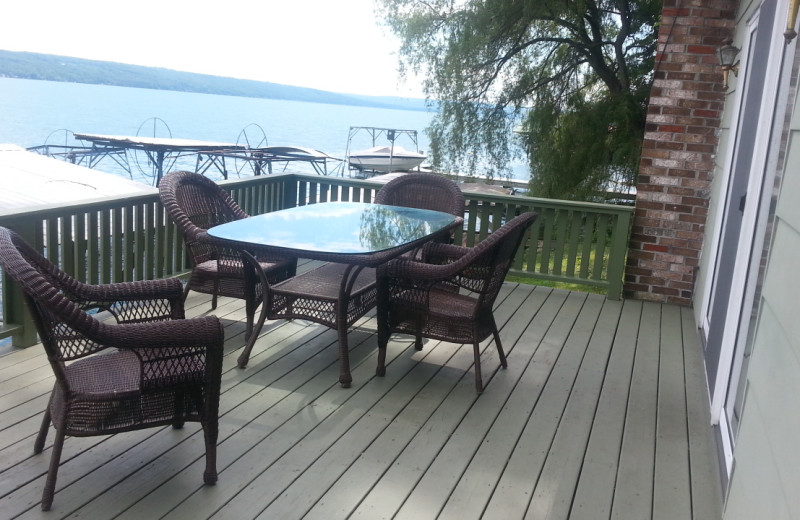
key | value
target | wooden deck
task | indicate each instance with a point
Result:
(601, 414)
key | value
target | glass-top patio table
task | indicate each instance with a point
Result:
(352, 237)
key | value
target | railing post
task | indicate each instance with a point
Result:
(289, 198)
(616, 257)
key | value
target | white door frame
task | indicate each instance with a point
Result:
(752, 232)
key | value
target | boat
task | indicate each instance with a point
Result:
(386, 159)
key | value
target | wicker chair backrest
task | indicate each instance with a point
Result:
(61, 320)
(196, 203)
(423, 191)
(487, 265)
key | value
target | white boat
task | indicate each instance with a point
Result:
(386, 159)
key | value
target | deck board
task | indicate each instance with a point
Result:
(633, 497)
(562, 469)
(672, 496)
(526, 462)
(703, 463)
(600, 414)
(594, 493)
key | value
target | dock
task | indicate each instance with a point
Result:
(31, 180)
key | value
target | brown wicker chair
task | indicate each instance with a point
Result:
(196, 203)
(144, 366)
(448, 295)
(423, 191)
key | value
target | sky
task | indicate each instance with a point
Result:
(334, 45)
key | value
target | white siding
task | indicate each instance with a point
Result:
(767, 456)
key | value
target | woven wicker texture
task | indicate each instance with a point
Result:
(195, 204)
(334, 295)
(423, 191)
(449, 295)
(123, 355)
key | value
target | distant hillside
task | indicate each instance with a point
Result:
(49, 67)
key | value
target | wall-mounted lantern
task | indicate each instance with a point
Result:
(790, 21)
(727, 59)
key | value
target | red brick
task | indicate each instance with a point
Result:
(674, 12)
(701, 49)
(707, 113)
(655, 247)
(683, 121)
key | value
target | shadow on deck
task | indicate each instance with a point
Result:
(602, 413)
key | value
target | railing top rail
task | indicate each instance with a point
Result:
(515, 199)
(61, 208)
(106, 202)
(536, 201)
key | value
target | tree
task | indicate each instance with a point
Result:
(572, 77)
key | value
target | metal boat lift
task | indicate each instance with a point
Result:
(62, 144)
(157, 152)
(376, 134)
(259, 161)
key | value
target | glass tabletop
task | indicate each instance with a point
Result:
(336, 227)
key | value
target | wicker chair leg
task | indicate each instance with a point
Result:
(478, 379)
(383, 340)
(52, 473)
(210, 473)
(345, 378)
(185, 291)
(249, 320)
(179, 412)
(38, 446)
(500, 351)
(418, 342)
(380, 371)
(210, 421)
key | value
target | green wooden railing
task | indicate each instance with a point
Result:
(130, 238)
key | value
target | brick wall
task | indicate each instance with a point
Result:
(678, 151)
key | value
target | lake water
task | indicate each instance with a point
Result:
(35, 112)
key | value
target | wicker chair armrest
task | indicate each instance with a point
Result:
(459, 258)
(413, 270)
(166, 288)
(440, 252)
(444, 261)
(205, 332)
(136, 302)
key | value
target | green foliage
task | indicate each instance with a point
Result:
(575, 151)
(553, 67)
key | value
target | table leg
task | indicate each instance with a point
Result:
(244, 357)
(253, 273)
(342, 309)
(382, 316)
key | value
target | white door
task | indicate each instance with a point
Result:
(740, 233)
